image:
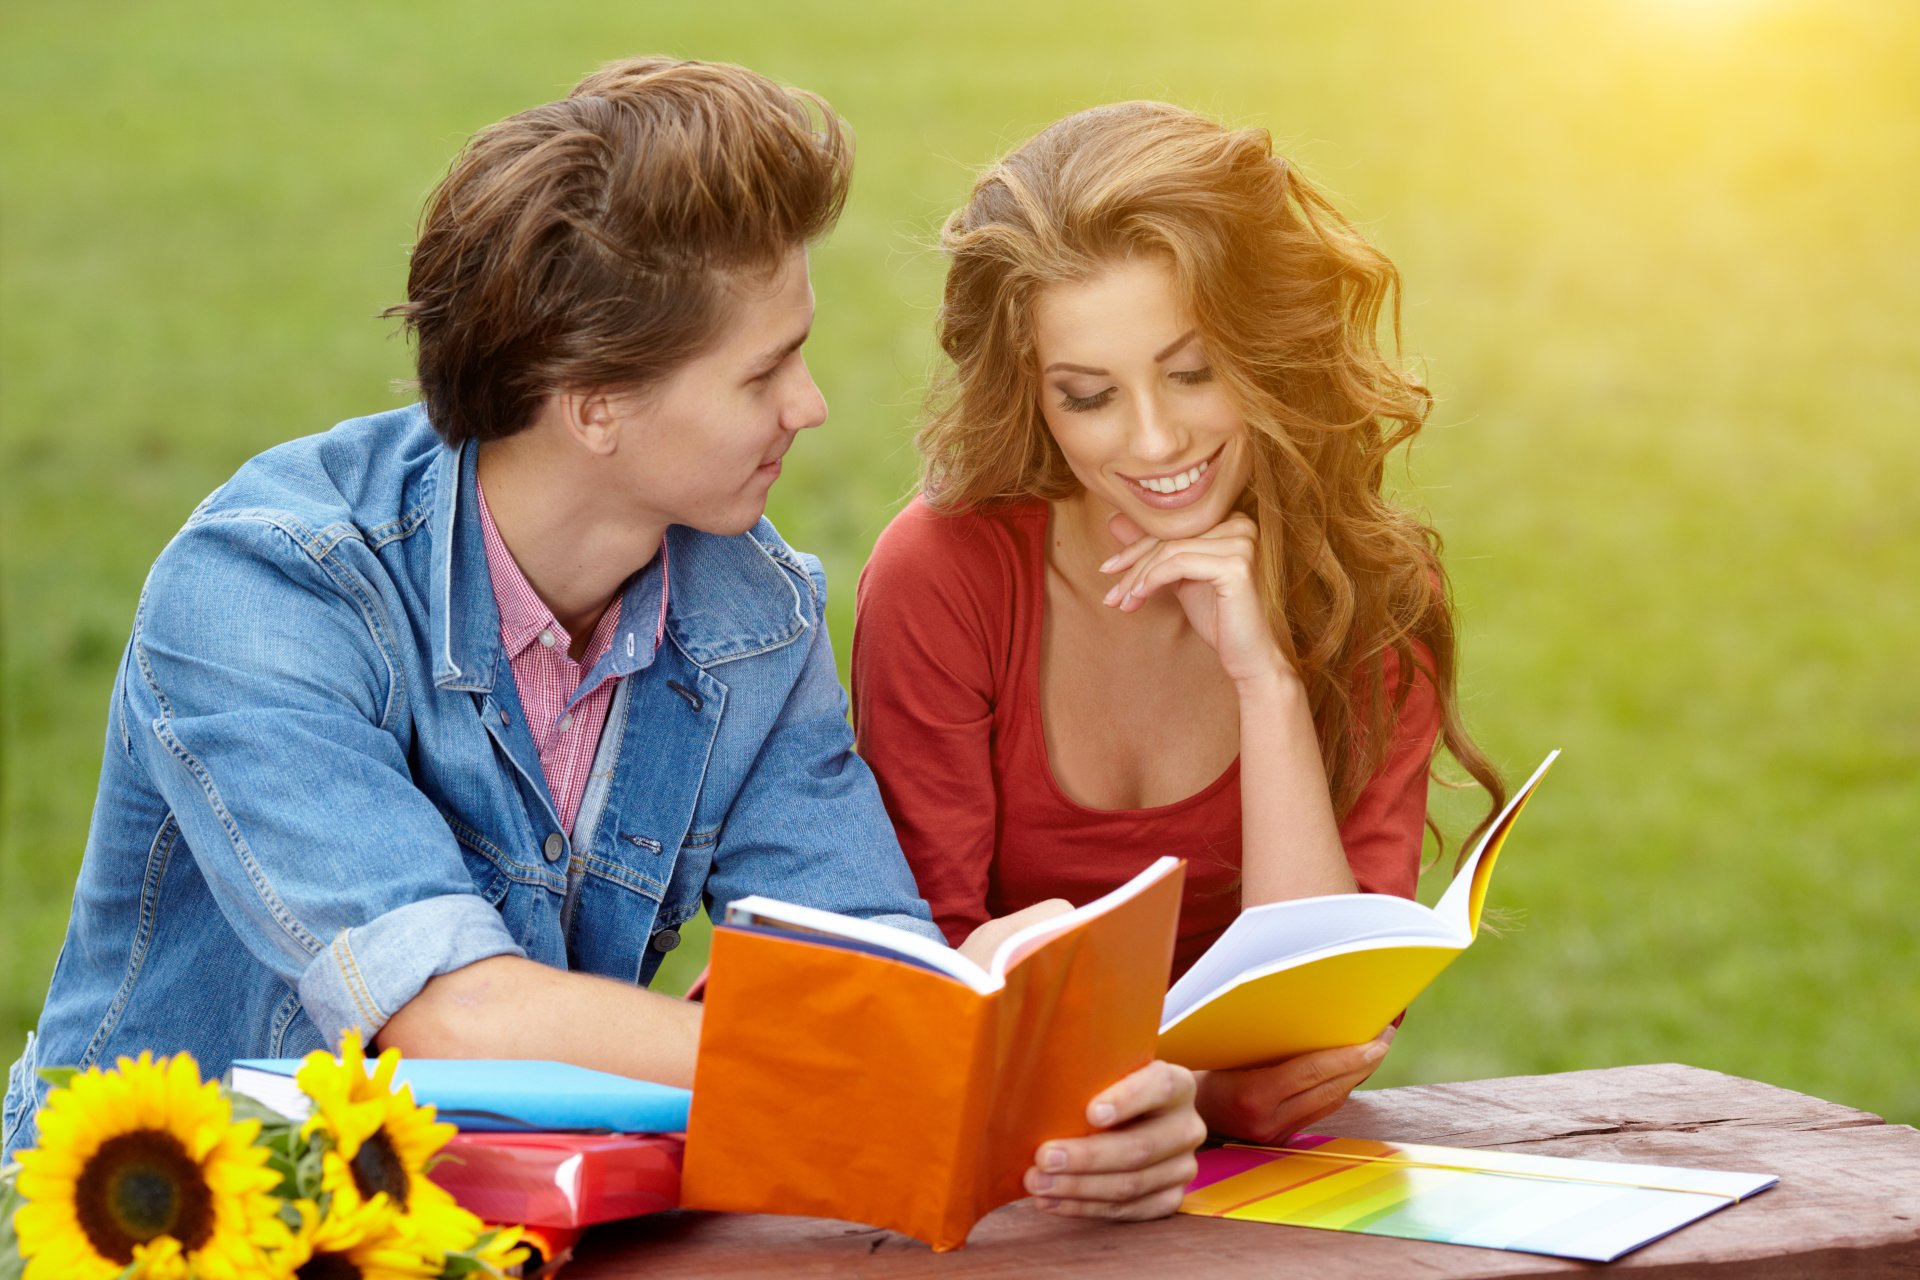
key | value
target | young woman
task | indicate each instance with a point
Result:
(1151, 599)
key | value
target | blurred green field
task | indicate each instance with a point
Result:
(1661, 267)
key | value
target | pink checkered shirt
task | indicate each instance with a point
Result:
(546, 678)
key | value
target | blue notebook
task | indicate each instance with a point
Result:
(507, 1096)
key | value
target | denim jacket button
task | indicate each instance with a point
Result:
(666, 940)
(556, 844)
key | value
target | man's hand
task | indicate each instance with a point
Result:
(1139, 1165)
(985, 940)
(1270, 1104)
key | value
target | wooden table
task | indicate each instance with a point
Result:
(1848, 1203)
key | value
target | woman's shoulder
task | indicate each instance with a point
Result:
(926, 545)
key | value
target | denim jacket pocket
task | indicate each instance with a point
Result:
(486, 862)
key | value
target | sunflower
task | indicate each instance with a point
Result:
(360, 1242)
(143, 1167)
(381, 1143)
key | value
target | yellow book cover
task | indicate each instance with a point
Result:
(1290, 977)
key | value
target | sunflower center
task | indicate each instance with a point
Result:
(378, 1168)
(328, 1266)
(138, 1186)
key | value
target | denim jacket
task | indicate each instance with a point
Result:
(318, 790)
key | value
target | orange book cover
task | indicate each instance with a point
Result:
(910, 1090)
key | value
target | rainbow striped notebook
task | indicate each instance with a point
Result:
(1587, 1209)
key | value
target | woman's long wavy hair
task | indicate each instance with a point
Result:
(1287, 297)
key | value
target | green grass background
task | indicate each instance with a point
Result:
(1661, 267)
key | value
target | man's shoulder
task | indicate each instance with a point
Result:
(736, 595)
(366, 478)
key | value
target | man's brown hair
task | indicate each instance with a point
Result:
(588, 243)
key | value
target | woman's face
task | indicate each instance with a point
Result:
(1126, 389)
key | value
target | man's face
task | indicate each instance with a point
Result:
(703, 448)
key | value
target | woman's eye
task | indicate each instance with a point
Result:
(1081, 404)
(1192, 377)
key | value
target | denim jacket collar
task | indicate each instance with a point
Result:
(730, 598)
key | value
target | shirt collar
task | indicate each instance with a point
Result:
(621, 643)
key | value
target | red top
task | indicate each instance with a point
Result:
(946, 703)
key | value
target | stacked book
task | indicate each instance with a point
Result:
(546, 1146)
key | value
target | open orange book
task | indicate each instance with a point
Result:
(852, 1070)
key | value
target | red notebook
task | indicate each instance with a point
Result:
(561, 1179)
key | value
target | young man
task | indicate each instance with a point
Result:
(440, 725)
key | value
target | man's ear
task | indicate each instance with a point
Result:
(593, 419)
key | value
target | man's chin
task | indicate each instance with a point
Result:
(729, 524)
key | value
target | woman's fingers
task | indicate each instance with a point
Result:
(1182, 562)
(1268, 1104)
(1129, 555)
(1237, 530)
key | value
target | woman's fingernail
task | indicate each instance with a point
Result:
(1106, 566)
(1040, 1182)
(1053, 1158)
(1110, 595)
(1103, 1113)
(1374, 1051)
(1043, 1204)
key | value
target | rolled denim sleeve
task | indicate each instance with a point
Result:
(269, 710)
(808, 825)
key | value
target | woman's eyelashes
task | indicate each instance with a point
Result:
(1082, 404)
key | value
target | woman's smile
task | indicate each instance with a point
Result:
(1169, 490)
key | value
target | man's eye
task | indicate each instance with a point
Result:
(1081, 404)
(1192, 377)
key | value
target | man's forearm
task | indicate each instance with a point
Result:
(507, 1007)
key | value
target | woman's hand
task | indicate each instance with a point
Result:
(1212, 576)
(1268, 1105)
(1138, 1165)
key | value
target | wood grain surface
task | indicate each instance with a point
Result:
(1848, 1203)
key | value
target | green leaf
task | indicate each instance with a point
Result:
(11, 1264)
(247, 1108)
(59, 1077)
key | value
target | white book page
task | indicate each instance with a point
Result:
(1453, 904)
(774, 914)
(1275, 935)
(273, 1089)
(1029, 939)
(1170, 1014)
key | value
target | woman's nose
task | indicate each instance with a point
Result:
(1156, 436)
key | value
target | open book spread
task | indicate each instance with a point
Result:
(1316, 973)
(770, 915)
(851, 1070)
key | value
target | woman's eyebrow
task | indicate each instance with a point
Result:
(1173, 348)
(1166, 352)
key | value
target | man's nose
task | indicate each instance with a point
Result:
(807, 407)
